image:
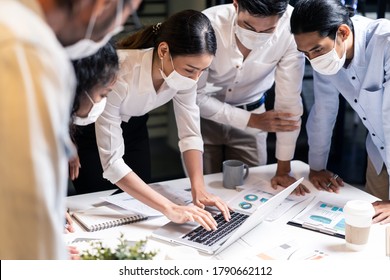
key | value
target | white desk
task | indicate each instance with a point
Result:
(265, 236)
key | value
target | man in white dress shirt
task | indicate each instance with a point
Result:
(350, 56)
(37, 88)
(255, 50)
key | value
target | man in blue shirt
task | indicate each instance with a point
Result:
(350, 56)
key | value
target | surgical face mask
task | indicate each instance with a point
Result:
(175, 80)
(329, 63)
(87, 47)
(96, 110)
(251, 39)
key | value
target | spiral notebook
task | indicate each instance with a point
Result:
(103, 217)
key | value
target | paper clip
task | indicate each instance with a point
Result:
(320, 228)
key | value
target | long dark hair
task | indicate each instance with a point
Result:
(322, 16)
(187, 33)
(263, 8)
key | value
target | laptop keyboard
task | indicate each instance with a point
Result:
(209, 238)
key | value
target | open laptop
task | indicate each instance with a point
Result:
(213, 242)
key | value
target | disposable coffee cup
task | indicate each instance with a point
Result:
(358, 219)
(234, 173)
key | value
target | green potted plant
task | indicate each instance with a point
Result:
(125, 250)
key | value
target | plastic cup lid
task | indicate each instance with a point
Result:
(359, 207)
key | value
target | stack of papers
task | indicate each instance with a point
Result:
(126, 201)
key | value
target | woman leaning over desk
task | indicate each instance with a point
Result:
(157, 64)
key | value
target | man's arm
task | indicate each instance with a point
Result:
(288, 87)
(213, 109)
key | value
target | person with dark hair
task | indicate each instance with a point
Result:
(255, 50)
(95, 75)
(351, 57)
(37, 85)
(158, 64)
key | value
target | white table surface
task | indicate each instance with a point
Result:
(264, 237)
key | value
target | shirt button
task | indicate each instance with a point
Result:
(229, 90)
(373, 134)
(382, 148)
(364, 118)
(355, 100)
(353, 78)
(238, 66)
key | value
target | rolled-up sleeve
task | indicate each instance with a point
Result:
(109, 137)
(188, 121)
(288, 87)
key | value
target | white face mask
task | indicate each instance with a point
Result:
(96, 110)
(175, 80)
(87, 47)
(251, 39)
(329, 63)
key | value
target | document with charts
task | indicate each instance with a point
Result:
(258, 192)
(323, 215)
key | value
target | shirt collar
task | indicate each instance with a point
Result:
(359, 41)
(145, 78)
(233, 34)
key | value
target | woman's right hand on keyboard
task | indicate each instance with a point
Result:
(190, 213)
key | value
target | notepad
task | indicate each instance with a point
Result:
(103, 217)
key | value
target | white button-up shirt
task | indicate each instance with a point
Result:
(134, 95)
(233, 81)
(365, 85)
(37, 89)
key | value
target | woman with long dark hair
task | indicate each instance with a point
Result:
(160, 63)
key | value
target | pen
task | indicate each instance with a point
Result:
(117, 191)
(67, 224)
(335, 176)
